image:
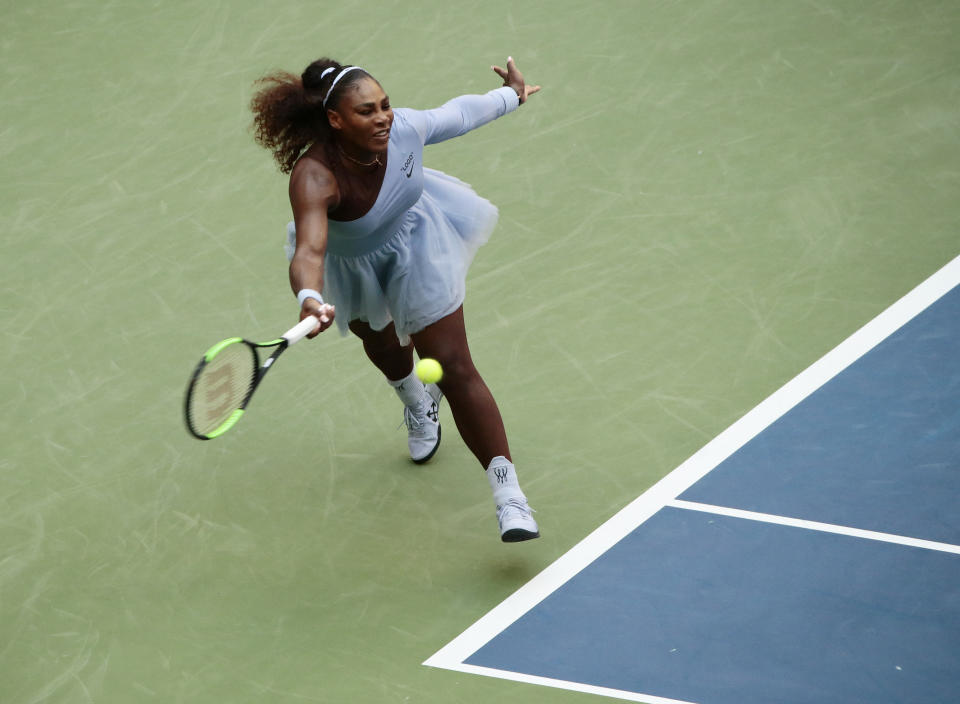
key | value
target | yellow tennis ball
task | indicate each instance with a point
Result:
(429, 371)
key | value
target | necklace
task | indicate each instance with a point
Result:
(376, 159)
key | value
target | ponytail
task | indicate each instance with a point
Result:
(289, 113)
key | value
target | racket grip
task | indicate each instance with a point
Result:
(301, 329)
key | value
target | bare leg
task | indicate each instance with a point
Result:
(384, 349)
(474, 409)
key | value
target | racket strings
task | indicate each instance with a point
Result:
(222, 387)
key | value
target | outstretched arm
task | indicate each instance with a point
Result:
(460, 115)
(313, 190)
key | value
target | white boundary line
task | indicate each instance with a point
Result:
(573, 686)
(665, 491)
(815, 525)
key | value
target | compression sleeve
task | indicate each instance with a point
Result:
(460, 115)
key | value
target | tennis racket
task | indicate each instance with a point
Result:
(223, 383)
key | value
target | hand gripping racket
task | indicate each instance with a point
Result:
(224, 381)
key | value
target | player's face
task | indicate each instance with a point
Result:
(363, 116)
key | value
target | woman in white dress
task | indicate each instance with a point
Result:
(381, 245)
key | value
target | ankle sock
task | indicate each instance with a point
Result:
(502, 476)
(410, 389)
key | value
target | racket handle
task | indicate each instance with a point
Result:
(301, 329)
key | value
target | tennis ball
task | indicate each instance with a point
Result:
(429, 371)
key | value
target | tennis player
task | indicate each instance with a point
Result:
(381, 245)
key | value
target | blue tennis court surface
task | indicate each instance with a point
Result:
(811, 554)
(876, 448)
(706, 608)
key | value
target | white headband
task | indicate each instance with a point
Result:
(340, 75)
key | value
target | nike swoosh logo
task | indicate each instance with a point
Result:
(410, 172)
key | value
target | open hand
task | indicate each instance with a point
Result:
(512, 77)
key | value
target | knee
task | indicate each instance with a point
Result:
(377, 343)
(458, 369)
(381, 345)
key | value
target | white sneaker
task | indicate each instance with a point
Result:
(423, 425)
(516, 521)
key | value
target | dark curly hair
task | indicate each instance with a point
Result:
(288, 111)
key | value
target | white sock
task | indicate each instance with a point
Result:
(502, 476)
(410, 389)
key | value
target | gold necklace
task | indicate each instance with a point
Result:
(376, 158)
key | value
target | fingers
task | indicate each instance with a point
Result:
(324, 314)
(512, 77)
(504, 73)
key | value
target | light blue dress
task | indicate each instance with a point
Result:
(406, 259)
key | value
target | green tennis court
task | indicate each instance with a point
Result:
(704, 199)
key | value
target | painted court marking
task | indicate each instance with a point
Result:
(665, 492)
(562, 684)
(815, 525)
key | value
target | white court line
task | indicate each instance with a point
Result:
(453, 655)
(815, 525)
(573, 686)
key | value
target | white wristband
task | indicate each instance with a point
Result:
(306, 293)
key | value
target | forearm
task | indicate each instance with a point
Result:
(467, 112)
(306, 270)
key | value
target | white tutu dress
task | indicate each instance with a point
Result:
(406, 259)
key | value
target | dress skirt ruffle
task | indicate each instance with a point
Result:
(418, 275)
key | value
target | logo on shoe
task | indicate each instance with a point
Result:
(501, 474)
(434, 414)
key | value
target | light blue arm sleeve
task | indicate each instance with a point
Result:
(460, 115)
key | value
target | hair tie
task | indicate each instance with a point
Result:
(340, 75)
(325, 72)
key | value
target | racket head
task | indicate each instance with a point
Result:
(220, 388)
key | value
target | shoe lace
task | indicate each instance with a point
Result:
(414, 418)
(514, 504)
(410, 419)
